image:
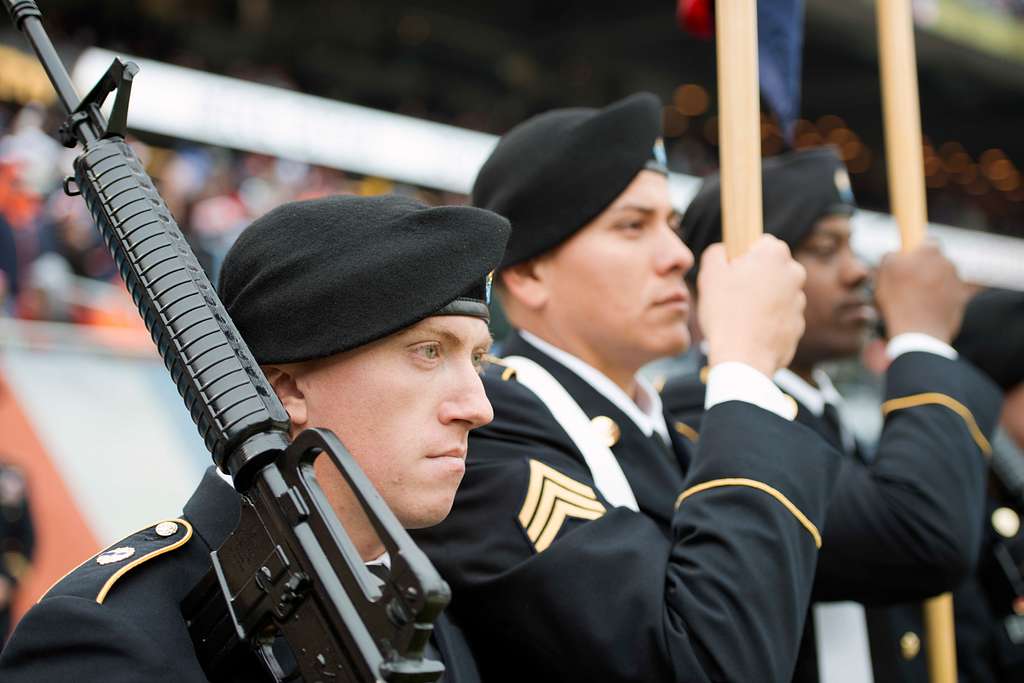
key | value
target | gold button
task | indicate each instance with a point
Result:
(166, 529)
(794, 407)
(607, 430)
(1006, 522)
(910, 645)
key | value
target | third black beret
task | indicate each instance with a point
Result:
(798, 189)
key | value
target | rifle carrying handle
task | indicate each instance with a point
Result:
(223, 387)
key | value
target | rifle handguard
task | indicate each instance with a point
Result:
(223, 387)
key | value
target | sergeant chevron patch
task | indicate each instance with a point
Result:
(551, 498)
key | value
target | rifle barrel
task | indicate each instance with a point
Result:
(25, 14)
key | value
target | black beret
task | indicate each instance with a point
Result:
(992, 335)
(798, 189)
(554, 173)
(313, 278)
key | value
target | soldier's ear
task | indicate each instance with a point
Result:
(282, 379)
(526, 283)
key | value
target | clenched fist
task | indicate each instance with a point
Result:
(752, 308)
(920, 291)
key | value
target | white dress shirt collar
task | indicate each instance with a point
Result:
(382, 559)
(646, 411)
(811, 397)
(815, 398)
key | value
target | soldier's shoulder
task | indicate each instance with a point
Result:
(508, 396)
(498, 370)
(685, 392)
(99, 577)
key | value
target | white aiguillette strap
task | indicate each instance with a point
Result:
(609, 478)
(841, 635)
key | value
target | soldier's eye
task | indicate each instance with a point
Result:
(429, 351)
(481, 360)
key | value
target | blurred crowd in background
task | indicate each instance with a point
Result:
(53, 263)
(55, 267)
(482, 67)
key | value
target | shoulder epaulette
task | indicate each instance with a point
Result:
(507, 371)
(687, 431)
(95, 577)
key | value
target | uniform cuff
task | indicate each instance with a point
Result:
(732, 381)
(918, 341)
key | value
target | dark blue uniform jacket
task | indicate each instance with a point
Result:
(709, 581)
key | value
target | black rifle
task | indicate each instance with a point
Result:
(289, 568)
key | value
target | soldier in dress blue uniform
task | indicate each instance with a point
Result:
(589, 540)
(905, 521)
(369, 317)
(990, 604)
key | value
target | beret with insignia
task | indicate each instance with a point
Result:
(798, 189)
(992, 335)
(555, 172)
(314, 278)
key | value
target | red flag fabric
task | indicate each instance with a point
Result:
(696, 17)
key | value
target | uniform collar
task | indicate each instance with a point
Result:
(810, 397)
(214, 509)
(646, 411)
(384, 559)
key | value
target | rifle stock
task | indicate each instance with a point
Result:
(289, 568)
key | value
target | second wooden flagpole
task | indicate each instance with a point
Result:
(739, 123)
(905, 165)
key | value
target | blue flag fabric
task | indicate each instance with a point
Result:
(780, 41)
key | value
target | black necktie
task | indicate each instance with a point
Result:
(835, 428)
(660, 445)
(380, 570)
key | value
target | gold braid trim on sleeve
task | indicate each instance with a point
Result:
(935, 398)
(760, 486)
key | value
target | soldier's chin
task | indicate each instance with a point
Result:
(670, 341)
(429, 513)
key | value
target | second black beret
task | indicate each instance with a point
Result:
(555, 172)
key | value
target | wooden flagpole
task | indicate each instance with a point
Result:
(903, 149)
(739, 123)
(905, 165)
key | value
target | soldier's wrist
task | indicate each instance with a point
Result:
(763, 362)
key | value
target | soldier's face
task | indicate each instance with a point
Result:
(838, 312)
(403, 406)
(614, 290)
